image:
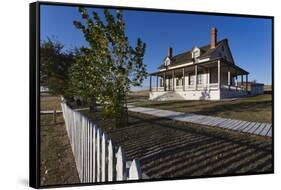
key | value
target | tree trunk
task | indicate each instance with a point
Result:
(93, 104)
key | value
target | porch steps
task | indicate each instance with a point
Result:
(169, 96)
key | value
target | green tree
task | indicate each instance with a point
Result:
(54, 65)
(110, 66)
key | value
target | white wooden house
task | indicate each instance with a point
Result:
(204, 73)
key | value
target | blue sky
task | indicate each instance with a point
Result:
(249, 38)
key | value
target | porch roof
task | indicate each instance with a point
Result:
(207, 64)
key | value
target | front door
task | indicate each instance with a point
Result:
(170, 84)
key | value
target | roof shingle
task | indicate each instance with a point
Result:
(185, 57)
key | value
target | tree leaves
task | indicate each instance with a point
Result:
(54, 65)
(110, 66)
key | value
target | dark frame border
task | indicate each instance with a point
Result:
(34, 90)
(34, 96)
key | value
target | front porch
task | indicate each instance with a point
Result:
(213, 80)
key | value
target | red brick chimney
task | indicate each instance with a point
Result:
(170, 52)
(213, 37)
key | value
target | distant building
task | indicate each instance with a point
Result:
(44, 89)
(203, 73)
(256, 88)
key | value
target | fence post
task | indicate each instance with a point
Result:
(98, 155)
(94, 153)
(82, 151)
(110, 161)
(85, 149)
(103, 158)
(79, 145)
(55, 116)
(120, 165)
(90, 152)
(135, 170)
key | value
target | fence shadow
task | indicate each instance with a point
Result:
(169, 148)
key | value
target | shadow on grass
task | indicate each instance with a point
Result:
(242, 106)
(171, 149)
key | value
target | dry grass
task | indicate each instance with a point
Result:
(164, 147)
(57, 162)
(48, 102)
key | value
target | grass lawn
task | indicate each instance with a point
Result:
(165, 148)
(57, 165)
(48, 102)
(256, 108)
(168, 148)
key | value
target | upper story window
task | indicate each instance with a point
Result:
(195, 52)
(167, 61)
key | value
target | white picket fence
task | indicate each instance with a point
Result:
(97, 159)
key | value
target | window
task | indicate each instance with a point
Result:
(199, 78)
(222, 48)
(167, 61)
(195, 52)
(191, 80)
(178, 81)
(161, 82)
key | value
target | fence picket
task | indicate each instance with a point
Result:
(93, 150)
(87, 150)
(90, 152)
(103, 158)
(94, 153)
(120, 165)
(98, 155)
(83, 150)
(135, 170)
(110, 161)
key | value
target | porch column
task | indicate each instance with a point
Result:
(195, 79)
(236, 82)
(183, 80)
(247, 83)
(208, 79)
(156, 82)
(173, 77)
(150, 88)
(219, 74)
(164, 81)
(228, 79)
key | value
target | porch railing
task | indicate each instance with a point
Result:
(211, 86)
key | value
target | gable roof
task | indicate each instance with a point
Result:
(185, 57)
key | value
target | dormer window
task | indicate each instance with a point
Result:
(167, 61)
(195, 53)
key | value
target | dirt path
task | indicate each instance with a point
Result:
(57, 161)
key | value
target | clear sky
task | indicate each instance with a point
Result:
(249, 38)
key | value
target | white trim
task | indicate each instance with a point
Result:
(203, 60)
(186, 64)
